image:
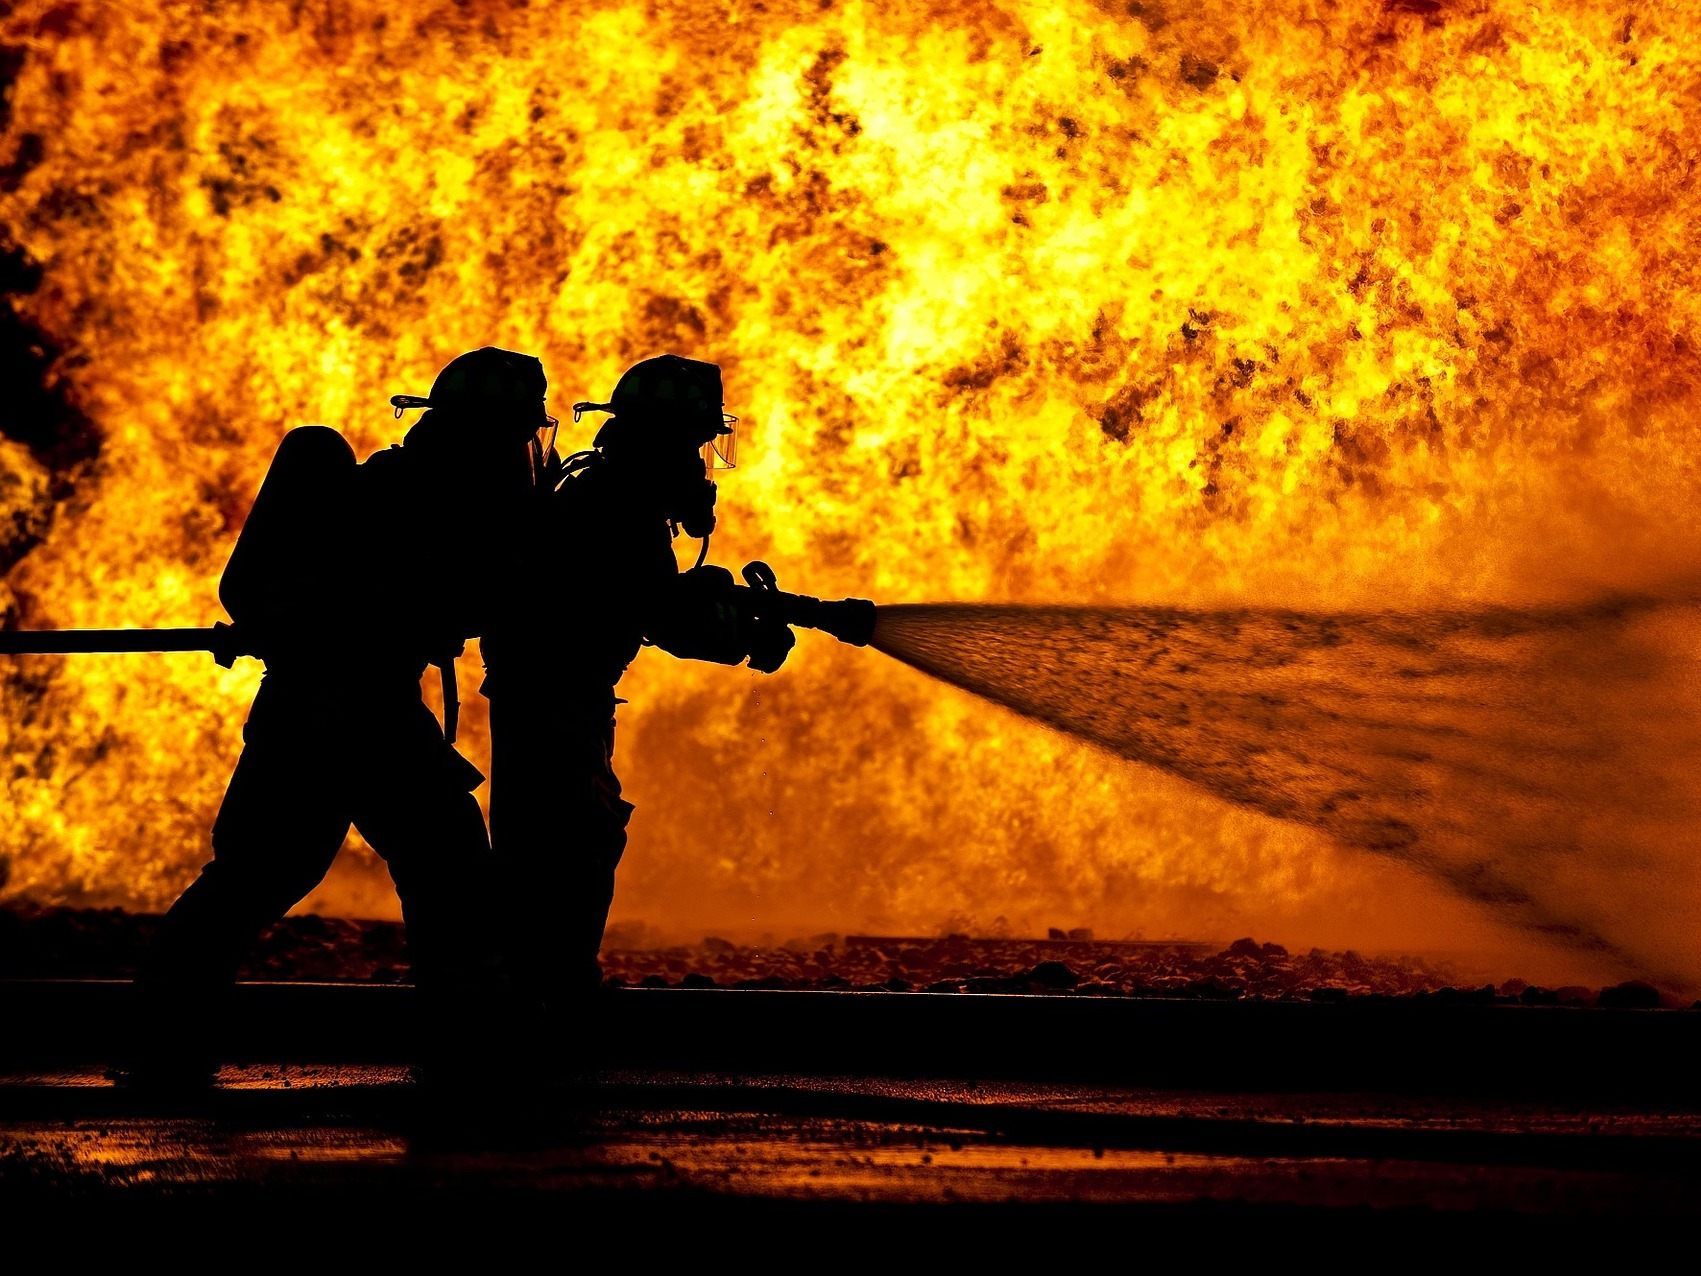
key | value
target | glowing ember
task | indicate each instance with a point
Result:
(1026, 303)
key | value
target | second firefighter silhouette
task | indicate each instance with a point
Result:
(607, 519)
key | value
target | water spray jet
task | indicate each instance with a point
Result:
(1529, 759)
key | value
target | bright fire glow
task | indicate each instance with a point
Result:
(1318, 304)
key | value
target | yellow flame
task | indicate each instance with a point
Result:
(1016, 301)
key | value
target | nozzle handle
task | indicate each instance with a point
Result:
(848, 619)
(758, 575)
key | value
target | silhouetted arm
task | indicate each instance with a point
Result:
(693, 616)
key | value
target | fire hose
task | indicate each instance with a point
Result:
(850, 620)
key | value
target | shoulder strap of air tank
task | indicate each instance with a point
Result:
(576, 464)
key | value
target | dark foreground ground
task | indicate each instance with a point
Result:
(678, 1144)
(737, 1114)
(976, 1087)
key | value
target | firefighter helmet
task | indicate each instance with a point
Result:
(481, 380)
(685, 393)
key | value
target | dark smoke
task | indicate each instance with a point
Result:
(1539, 761)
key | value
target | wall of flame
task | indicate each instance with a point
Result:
(1308, 302)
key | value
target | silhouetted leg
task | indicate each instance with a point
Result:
(558, 827)
(278, 830)
(602, 844)
(413, 803)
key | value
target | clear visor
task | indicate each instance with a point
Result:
(721, 452)
(545, 461)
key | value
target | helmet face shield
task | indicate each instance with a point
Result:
(540, 452)
(721, 452)
(545, 434)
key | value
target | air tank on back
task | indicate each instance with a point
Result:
(286, 584)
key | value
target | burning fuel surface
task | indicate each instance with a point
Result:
(1323, 307)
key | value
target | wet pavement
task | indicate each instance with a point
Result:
(277, 1136)
(970, 1113)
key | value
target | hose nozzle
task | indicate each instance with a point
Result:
(847, 619)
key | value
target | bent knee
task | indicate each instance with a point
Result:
(250, 891)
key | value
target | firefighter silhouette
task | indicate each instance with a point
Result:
(348, 580)
(560, 643)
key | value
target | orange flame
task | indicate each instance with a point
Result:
(1025, 302)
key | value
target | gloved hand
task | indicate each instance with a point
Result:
(705, 586)
(770, 643)
(696, 618)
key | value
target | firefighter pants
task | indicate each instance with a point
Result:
(316, 759)
(558, 828)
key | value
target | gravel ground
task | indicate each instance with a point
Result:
(43, 942)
